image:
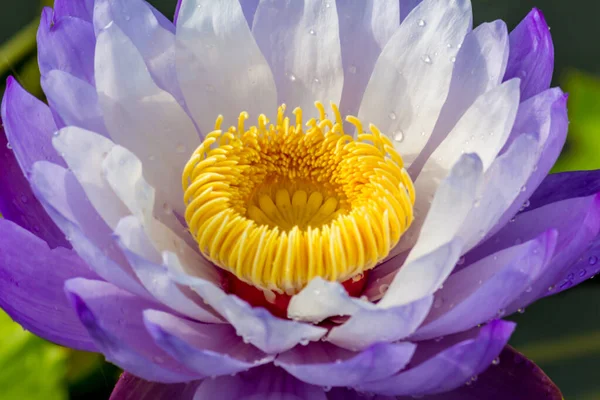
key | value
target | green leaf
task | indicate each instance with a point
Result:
(31, 368)
(583, 141)
(561, 334)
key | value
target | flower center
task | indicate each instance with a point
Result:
(277, 205)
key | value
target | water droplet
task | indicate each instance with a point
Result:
(9, 146)
(398, 136)
(180, 148)
(422, 133)
(352, 69)
(501, 312)
(438, 303)
(461, 260)
(524, 188)
(426, 59)
(593, 260)
(68, 238)
(326, 388)
(582, 273)
(551, 288)
(327, 5)
(496, 361)
(459, 46)
(304, 342)
(383, 288)
(392, 116)
(421, 23)
(449, 45)
(312, 32)
(453, 59)
(292, 77)
(521, 310)
(357, 278)
(477, 203)
(474, 378)
(167, 208)
(24, 199)
(127, 18)
(316, 80)
(529, 289)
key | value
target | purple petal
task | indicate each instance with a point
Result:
(267, 382)
(209, 349)
(82, 9)
(249, 8)
(484, 289)
(514, 377)
(447, 364)
(18, 204)
(546, 116)
(578, 223)
(566, 185)
(324, 364)
(130, 387)
(66, 44)
(406, 6)
(68, 206)
(29, 126)
(31, 277)
(531, 55)
(113, 317)
(350, 394)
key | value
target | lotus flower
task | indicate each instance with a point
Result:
(292, 199)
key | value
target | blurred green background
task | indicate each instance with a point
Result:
(561, 333)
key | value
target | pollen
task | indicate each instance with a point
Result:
(278, 204)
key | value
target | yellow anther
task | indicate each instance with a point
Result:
(278, 205)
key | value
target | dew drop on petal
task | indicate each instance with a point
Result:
(582, 273)
(24, 199)
(392, 116)
(529, 289)
(317, 81)
(312, 32)
(593, 260)
(352, 69)
(438, 303)
(521, 310)
(421, 23)
(453, 59)
(496, 361)
(304, 342)
(461, 260)
(9, 146)
(426, 59)
(292, 77)
(398, 136)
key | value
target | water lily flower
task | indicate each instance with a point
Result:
(310, 199)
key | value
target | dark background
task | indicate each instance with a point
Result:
(561, 333)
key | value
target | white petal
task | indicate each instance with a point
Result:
(322, 299)
(365, 28)
(502, 184)
(220, 68)
(412, 76)
(255, 325)
(142, 117)
(84, 153)
(155, 43)
(300, 40)
(145, 261)
(438, 246)
(74, 99)
(383, 324)
(480, 66)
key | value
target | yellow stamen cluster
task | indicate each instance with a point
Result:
(277, 205)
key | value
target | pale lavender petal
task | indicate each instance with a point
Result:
(578, 224)
(73, 100)
(324, 364)
(531, 55)
(66, 44)
(65, 201)
(18, 203)
(264, 383)
(256, 325)
(114, 319)
(447, 364)
(29, 126)
(82, 9)
(565, 185)
(31, 278)
(513, 377)
(546, 116)
(209, 349)
(130, 387)
(484, 289)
